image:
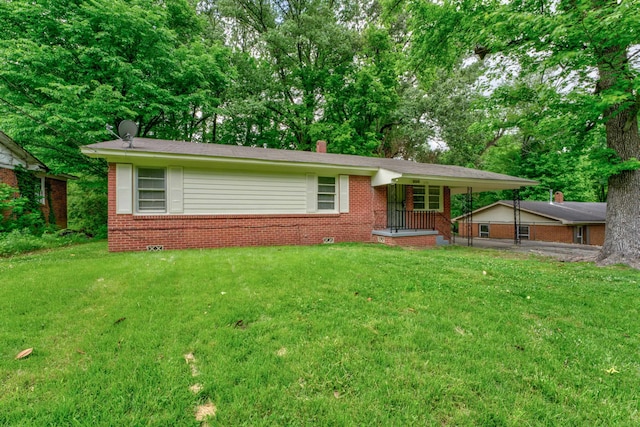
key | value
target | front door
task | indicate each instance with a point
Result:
(396, 204)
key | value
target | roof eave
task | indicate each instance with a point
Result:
(126, 156)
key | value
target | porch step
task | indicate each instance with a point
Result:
(441, 241)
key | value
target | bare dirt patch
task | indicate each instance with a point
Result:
(203, 412)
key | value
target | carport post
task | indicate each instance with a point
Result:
(516, 217)
(469, 208)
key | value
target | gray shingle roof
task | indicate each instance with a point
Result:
(146, 145)
(567, 212)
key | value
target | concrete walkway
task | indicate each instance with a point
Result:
(561, 251)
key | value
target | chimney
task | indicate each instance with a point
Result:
(558, 197)
(321, 146)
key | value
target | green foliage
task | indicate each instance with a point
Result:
(386, 336)
(16, 213)
(306, 71)
(87, 200)
(19, 241)
(82, 65)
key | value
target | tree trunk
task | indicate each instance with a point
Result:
(622, 229)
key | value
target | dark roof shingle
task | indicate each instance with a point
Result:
(295, 156)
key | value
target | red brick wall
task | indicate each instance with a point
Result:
(596, 234)
(367, 211)
(380, 207)
(443, 222)
(545, 233)
(8, 176)
(136, 232)
(58, 195)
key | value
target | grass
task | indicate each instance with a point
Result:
(321, 335)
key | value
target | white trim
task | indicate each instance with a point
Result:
(336, 193)
(137, 192)
(124, 188)
(175, 190)
(312, 193)
(343, 202)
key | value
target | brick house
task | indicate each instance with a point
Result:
(174, 195)
(53, 188)
(557, 221)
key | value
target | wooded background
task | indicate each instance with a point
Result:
(537, 89)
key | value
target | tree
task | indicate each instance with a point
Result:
(307, 70)
(588, 46)
(70, 67)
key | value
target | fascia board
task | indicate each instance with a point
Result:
(459, 184)
(195, 160)
(385, 177)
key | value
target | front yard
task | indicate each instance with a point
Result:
(321, 335)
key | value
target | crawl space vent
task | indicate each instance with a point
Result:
(155, 248)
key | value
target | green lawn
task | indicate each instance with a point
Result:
(322, 335)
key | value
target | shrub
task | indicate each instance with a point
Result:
(16, 212)
(20, 241)
(88, 206)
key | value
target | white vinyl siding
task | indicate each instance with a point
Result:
(501, 214)
(243, 192)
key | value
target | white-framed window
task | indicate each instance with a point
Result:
(427, 198)
(483, 230)
(151, 191)
(326, 193)
(523, 232)
(435, 198)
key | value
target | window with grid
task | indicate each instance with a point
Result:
(152, 194)
(523, 232)
(326, 193)
(418, 197)
(484, 230)
(426, 197)
(434, 198)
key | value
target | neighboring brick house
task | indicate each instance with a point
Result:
(173, 195)
(557, 221)
(53, 188)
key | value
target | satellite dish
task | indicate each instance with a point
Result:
(127, 130)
